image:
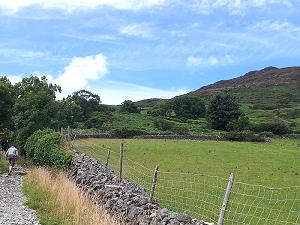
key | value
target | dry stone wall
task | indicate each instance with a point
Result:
(122, 199)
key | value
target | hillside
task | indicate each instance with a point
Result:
(265, 95)
(270, 87)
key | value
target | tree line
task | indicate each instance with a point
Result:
(31, 105)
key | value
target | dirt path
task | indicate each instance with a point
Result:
(12, 208)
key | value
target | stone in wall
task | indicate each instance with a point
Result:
(122, 199)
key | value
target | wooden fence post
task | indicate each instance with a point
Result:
(107, 158)
(154, 181)
(226, 199)
(121, 159)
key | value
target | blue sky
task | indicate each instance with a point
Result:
(130, 49)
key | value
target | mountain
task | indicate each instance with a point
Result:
(270, 86)
(270, 94)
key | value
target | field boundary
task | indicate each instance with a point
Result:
(201, 195)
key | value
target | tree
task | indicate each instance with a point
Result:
(130, 107)
(184, 107)
(67, 114)
(7, 98)
(188, 107)
(35, 107)
(222, 110)
(87, 101)
(99, 120)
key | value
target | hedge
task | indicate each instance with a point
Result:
(44, 148)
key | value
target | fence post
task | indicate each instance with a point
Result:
(154, 181)
(62, 131)
(121, 159)
(107, 158)
(226, 199)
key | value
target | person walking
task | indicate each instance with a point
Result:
(11, 155)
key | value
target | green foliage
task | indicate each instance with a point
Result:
(183, 107)
(244, 136)
(7, 98)
(2, 165)
(163, 124)
(43, 148)
(130, 107)
(278, 128)
(38, 198)
(222, 110)
(188, 107)
(67, 114)
(87, 101)
(124, 132)
(35, 107)
(99, 120)
(242, 123)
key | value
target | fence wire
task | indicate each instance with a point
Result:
(201, 196)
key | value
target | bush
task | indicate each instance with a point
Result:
(244, 136)
(163, 124)
(275, 128)
(124, 132)
(43, 148)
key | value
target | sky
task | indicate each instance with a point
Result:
(140, 49)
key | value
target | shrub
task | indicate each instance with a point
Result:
(124, 132)
(43, 148)
(278, 128)
(244, 136)
(163, 124)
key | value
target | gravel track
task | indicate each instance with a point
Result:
(12, 208)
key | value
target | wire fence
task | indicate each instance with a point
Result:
(201, 196)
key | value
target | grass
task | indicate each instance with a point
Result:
(2, 165)
(58, 202)
(275, 165)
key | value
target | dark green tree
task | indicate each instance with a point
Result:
(99, 120)
(67, 114)
(34, 108)
(222, 110)
(129, 106)
(188, 107)
(88, 103)
(7, 98)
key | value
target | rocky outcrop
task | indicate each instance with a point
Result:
(122, 199)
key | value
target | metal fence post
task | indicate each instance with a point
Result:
(121, 159)
(226, 199)
(107, 158)
(154, 181)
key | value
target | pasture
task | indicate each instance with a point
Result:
(193, 176)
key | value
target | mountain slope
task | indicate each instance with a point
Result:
(269, 86)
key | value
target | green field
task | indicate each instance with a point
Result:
(193, 176)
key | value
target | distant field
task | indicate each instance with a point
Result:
(273, 165)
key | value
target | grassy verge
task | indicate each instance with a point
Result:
(58, 202)
(2, 165)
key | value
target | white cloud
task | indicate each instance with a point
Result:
(235, 7)
(21, 53)
(80, 71)
(115, 93)
(268, 25)
(70, 5)
(193, 61)
(14, 79)
(143, 30)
